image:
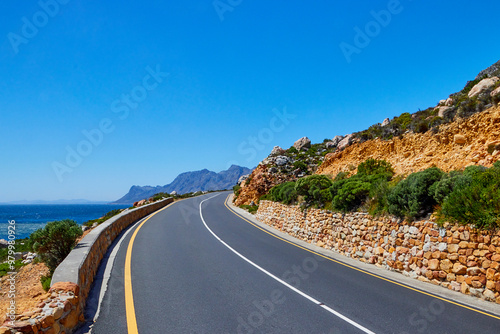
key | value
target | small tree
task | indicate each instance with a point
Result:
(55, 241)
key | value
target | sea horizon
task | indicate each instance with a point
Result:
(30, 217)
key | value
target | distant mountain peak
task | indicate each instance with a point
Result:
(201, 180)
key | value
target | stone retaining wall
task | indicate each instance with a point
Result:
(455, 257)
(63, 309)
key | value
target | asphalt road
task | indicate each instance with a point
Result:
(207, 270)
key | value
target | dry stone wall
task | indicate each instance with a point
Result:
(62, 308)
(455, 257)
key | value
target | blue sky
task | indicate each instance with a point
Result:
(233, 66)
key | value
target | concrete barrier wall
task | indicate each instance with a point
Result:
(72, 279)
(456, 257)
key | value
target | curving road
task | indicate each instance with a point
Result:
(198, 267)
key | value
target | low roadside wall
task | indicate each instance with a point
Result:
(455, 257)
(72, 279)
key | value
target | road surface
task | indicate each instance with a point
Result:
(198, 267)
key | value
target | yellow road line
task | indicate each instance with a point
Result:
(129, 297)
(357, 269)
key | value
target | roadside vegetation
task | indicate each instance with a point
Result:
(470, 196)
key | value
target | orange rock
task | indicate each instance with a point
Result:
(433, 264)
(446, 265)
(66, 286)
(459, 269)
(490, 274)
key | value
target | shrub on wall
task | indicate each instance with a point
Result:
(315, 189)
(284, 193)
(476, 199)
(412, 197)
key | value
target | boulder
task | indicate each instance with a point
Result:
(277, 150)
(449, 102)
(483, 85)
(302, 143)
(243, 178)
(337, 139)
(442, 110)
(173, 193)
(386, 122)
(495, 92)
(282, 160)
(459, 139)
(330, 144)
(345, 142)
(4, 243)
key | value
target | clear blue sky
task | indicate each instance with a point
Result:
(225, 78)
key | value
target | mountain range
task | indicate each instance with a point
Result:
(202, 180)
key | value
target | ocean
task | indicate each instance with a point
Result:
(29, 218)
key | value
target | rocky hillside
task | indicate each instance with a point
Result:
(285, 165)
(469, 141)
(462, 130)
(203, 180)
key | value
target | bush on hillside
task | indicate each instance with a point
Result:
(315, 189)
(375, 167)
(349, 194)
(284, 193)
(475, 200)
(237, 190)
(412, 197)
(55, 241)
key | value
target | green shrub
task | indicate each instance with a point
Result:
(237, 190)
(403, 121)
(341, 176)
(366, 186)
(411, 197)
(5, 267)
(375, 167)
(284, 193)
(348, 194)
(22, 245)
(300, 165)
(292, 150)
(45, 281)
(442, 188)
(104, 218)
(315, 189)
(475, 200)
(55, 241)
(250, 208)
